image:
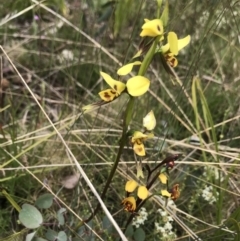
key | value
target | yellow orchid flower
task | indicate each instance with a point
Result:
(129, 204)
(126, 69)
(117, 87)
(137, 85)
(152, 28)
(142, 192)
(149, 121)
(174, 45)
(137, 141)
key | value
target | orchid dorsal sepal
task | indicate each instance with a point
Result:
(152, 28)
(174, 45)
(126, 69)
(149, 121)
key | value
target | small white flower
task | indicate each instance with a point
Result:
(207, 195)
(66, 56)
(141, 218)
(168, 226)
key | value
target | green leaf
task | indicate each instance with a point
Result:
(44, 201)
(62, 236)
(165, 14)
(129, 231)
(51, 235)
(30, 236)
(60, 217)
(30, 217)
(107, 225)
(39, 239)
(139, 235)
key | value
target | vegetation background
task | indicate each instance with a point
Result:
(54, 51)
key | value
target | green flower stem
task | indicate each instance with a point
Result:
(128, 117)
(148, 58)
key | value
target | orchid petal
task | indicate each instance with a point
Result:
(152, 28)
(184, 42)
(126, 69)
(163, 178)
(165, 193)
(114, 84)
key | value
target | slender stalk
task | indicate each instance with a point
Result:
(128, 117)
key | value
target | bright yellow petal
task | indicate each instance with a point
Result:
(149, 121)
(173, 42)
(139, 149)
(138, 135)
(183, 42)
(126, 69)
(131, 186)
(108, 95)
(163, 178)
(148, 33)
(165, 48)
(139, 53)
(114, 84)
(142, 192)
(137, 85)
(152, 28)
(165, 193)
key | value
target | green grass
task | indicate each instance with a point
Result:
(202, 100)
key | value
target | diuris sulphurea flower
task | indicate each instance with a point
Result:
(152, 28)
(130, 187)
(117, 87)
(173, 46)
(137, 140)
